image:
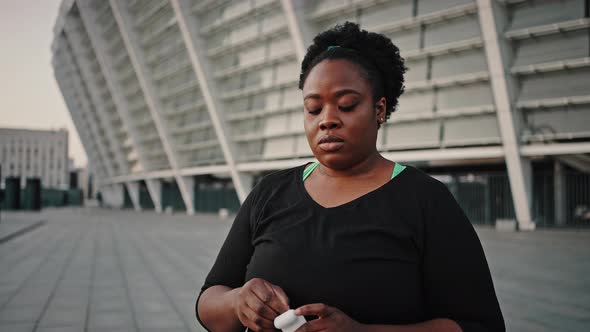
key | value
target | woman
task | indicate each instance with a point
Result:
(355, 242)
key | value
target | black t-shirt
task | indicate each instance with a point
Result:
(400, 254)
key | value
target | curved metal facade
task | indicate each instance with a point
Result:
(165, 90)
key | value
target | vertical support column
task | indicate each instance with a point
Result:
(559, 193)
(91, 152)
(138, 61)
(133, 190)
(113, 195)
(497, 52)
(201, 66)
(154, 187)
(107, 67)
(85, 107)
(87, 76)
(190, 182)
(300, 33)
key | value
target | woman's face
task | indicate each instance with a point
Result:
(340, 118)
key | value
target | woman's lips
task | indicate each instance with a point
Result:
(330, 143)
(331, 146)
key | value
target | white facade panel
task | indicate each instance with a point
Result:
(148, 103)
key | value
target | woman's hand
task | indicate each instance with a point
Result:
(330, 319)
(258, 302)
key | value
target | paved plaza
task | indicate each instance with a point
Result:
(108, 270)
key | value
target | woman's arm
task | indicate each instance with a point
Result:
(255, 305)
(216, 309)
(455, 275)
(434, 325)
(332, 319)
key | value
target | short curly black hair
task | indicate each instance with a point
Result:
(375, 53)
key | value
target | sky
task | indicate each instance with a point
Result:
(29, 95)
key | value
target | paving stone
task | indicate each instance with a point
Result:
(111, 320)
(121, 305)
(64, 317)
(20, 314)
(62, 328)
(150, 266)
(163, 320)
(16, 327)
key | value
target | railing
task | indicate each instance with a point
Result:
(486, 197)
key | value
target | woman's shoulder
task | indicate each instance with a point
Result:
(420, 180)
(281, 176)
(269, 183)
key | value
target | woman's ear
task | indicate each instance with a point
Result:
(380, 107)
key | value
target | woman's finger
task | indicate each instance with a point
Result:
(315, 325)
(254, 321)
(266, 294)
(262, 309)
(315, 309)
(282, 297)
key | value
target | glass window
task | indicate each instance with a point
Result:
(405, 40)
(464, 96)
(244, 31)
(555, 47)
(387, 12)
(273, 22)
(416, 70)
(462, 28)
(287, 72)
(555, 85)
(276, 124)
(415, 102)
(257, 102)
(266, 77)
(252, 55)
(562, 122)
(248, 126)
(212, 16)
(540, 12)
(252, 79)
(327, 24)
(295, 121)
(320, 6)
(481, 129)
(421, 134)
(226, 61)
(218, 39)
(272, 100)
(235, 8)
(280, 147)
(292, 97)
(459, 63)
(280, 46)
(430, 6)
(250, 150)
(235, 106)
(231, 84)
(302, 146)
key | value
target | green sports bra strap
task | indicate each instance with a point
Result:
(309, 169)
(398, 168)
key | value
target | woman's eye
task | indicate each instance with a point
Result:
(315, 111)
(347, 108)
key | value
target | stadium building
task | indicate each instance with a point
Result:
(185, 104)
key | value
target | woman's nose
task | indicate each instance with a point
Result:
(330, 120)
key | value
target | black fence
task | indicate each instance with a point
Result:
(486, 197)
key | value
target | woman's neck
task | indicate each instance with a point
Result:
(363, 169)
